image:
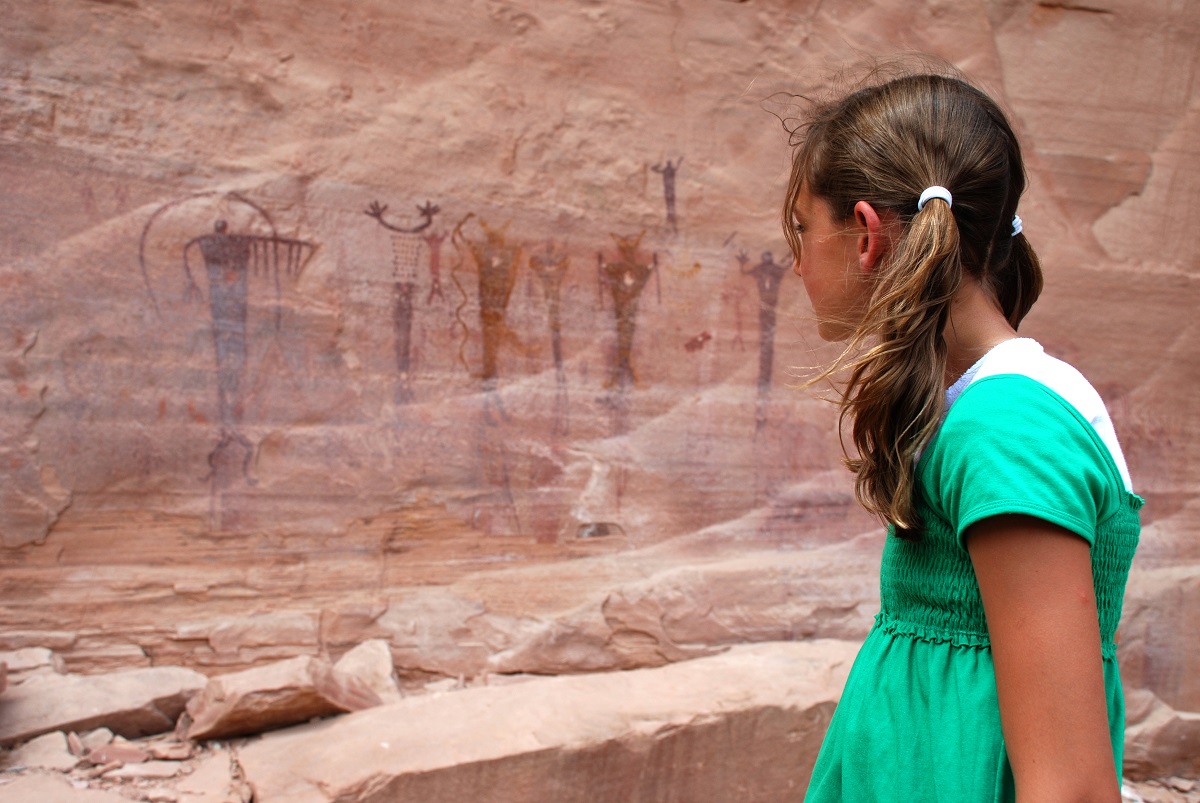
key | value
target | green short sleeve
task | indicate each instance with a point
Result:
(1011, 445)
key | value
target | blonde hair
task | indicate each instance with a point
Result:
(884, 144)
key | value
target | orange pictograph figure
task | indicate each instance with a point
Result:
(496, 262)
(406, 255)
(768, 274)
(624, 278)
(550, 266)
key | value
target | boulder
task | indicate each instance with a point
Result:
(266, 697)
(136, 702)
(366, 676)
(46, 752)
(744, 725)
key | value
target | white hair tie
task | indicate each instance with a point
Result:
(1016, 225)
(934, 192)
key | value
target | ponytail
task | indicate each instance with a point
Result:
(1019, 282)
(895, 391)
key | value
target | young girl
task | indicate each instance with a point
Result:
(990, 672)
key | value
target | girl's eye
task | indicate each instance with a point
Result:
(799, 227)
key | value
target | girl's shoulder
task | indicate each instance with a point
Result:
(1025, 358)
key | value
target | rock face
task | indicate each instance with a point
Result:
(468, 328)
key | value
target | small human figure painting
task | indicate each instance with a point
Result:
(668, 171)
(767, 275)
(624, 277)
(550, 266)
(406, 255)
(433, 242)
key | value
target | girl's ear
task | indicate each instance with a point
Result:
(873, 240)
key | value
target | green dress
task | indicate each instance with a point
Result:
(918, 719)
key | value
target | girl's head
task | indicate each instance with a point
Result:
(886, 143)
(883, 145)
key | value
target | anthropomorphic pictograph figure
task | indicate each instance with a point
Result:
(625, 277)
(433, 241)
(550, 266)
(496, 262)
(668, 172)
(735, 297)
(406, 255)
(767, 274)
(230, 261)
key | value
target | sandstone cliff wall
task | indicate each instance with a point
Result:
(427, 320)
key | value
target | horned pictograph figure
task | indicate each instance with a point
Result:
(406, 256)
(550, 266)
(433, 242)
(767, 275)
(496, 263)
(231, 261)
(668, 172)
(624, 278)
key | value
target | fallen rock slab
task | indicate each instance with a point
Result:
(744, 725)
(137, 702)
(264, 698)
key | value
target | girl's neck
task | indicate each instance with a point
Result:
(976, 326)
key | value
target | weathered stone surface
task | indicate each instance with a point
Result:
(263, 698)
(668, 734)
(1160, 741)
(211, 780)
(367, 676)
(95, 739)
(1161, 602)
(38, 788)
(118, 751)
(47, 752)
(136, 702)
(30, 661)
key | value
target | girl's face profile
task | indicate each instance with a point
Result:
(829, 266)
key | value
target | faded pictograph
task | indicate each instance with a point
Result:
(694, 344)
(550, 266)
(768, 275)
(734, 298)
(624, 277)
(406, 257)
(234, 262)
(668, 171)
(433, 242)
(496, 263)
